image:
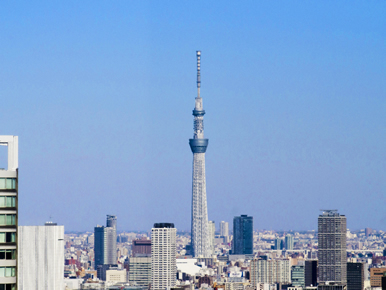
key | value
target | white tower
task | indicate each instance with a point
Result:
(163, 256)
(200, 235)
(224, 229)
(8, 214)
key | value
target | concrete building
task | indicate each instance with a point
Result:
(289, 242)
(116, 275)
(140, 271)
(200, 238)
(105, 242)
(224, 229)
(163, 256)
(376, 276)
(270, 271)
(40, 257)
(298, 276)
(332, 256)
(8, 214)
(141, 248)
(355, 276)
(242, 235)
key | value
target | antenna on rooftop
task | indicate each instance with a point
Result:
(198, 53)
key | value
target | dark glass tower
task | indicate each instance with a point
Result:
(355, 276)
(242, 235)
(311, 272)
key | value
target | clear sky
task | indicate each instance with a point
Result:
(101, 94)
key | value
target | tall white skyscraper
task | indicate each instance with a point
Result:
(41, 257)
(163, 256)
(198, 145)
(224, 229)
(8, 214)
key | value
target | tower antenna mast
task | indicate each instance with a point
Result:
(198, 53)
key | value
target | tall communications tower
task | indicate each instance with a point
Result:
(200, 236)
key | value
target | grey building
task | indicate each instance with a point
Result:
(297, 276)
(242, 235)
(355, 276)
(105, 243)
(332, 256)
(140, 271)
(289, 242)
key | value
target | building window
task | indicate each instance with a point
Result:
(7, 286)
(7, 254)
(7, 201)
(7, 238)
(7, 272)
(7, 183)
(7, 219)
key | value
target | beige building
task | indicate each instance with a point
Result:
(376, 276)
(116, 275)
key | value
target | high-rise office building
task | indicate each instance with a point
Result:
(311, 272)
(200, 238)
(242, 235)
(105, 243)
(211, 231)
(8, 215)
(224, 229)
(163, 256)
(140, 271)
(111, 221)
(298, 276)
(289, 242)
(355, 276)
(40, 257)
(141, 248)
(332, 256)
(279, 244)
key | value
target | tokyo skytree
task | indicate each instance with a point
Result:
(200, 237)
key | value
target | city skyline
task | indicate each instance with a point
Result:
(295, 94)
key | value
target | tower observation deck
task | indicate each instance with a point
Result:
(198, 145)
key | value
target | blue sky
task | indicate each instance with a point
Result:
(101, 95)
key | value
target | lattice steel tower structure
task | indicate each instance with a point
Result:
(200, 235)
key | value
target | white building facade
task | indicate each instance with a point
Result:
(41, 257)
(224, 229)
(163, 256)
(8, 215)
(270, 271)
